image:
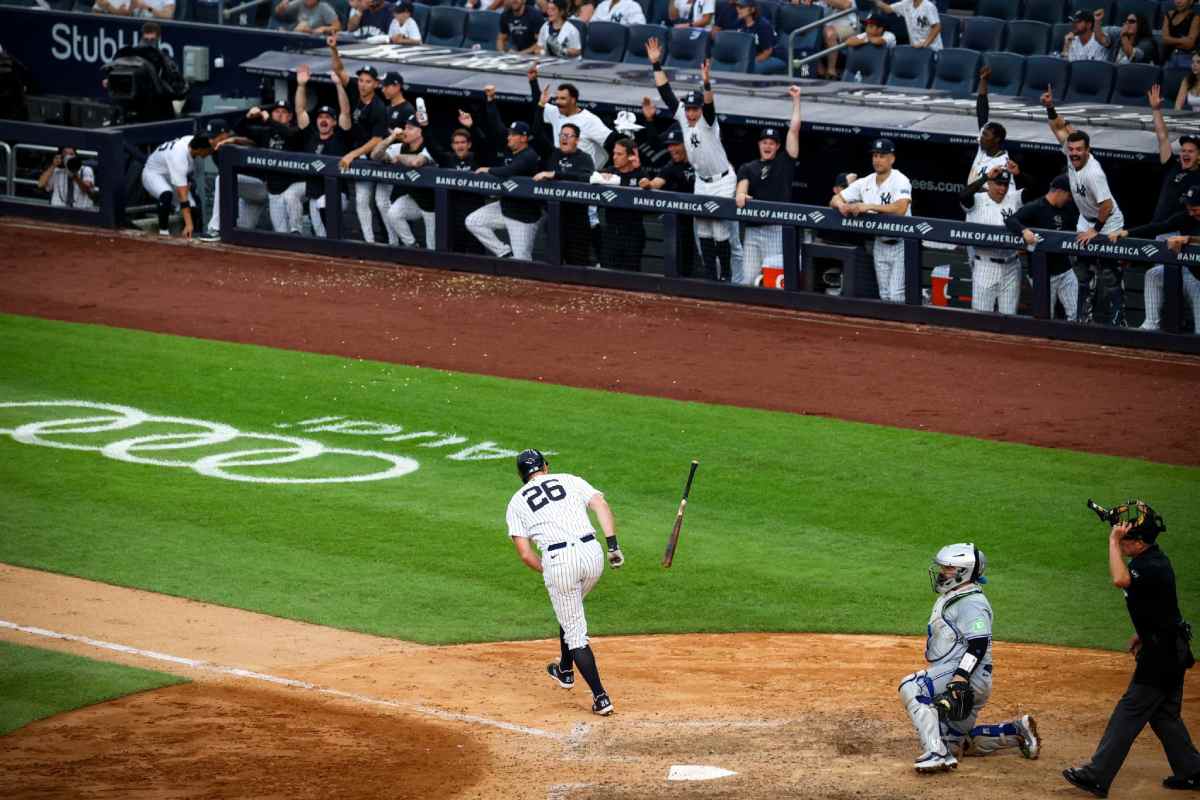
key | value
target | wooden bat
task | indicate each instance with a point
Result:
(673, 542)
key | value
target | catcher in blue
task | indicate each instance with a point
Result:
(945, 698)
(552, 511)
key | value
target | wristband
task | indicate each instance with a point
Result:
(708, 87)
(656, 66)
(1051, 113)
(612, 542)
(960, 673)
(1096, 226)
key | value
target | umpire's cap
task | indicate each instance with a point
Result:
(886, 146)
(529, 462)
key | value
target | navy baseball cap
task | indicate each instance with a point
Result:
(519, 128)
(215, 127)
(842, 179)
(674, 135)
(1061, 182)
(326, 110)
(1192, 197)
(401, 7)
(883, 146)
(1003, 176)
(1187, 138)
(874, 19)
(367, 68)
(771, 133)
(281, 104)
(1082, 16)
(393, 79)
(412, 120)
(693, 100)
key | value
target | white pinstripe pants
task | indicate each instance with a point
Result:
(889, 270)
(764, 245)
(383, 201)
(995, 285)
(401, 211)
(569, 573)
(1065, 287)
(1154, 295)
(486, 220)
(252, 195)
(315, 207)
(720, 230)
(363, 193)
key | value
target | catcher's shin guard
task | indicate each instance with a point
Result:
(916, 693)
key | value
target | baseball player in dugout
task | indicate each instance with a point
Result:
(551, 511)
(945, 698)
(995, 273)
(885, 191)
(1161, 647)
(1051, 212)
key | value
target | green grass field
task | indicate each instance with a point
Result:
(795, 524)
(35, 683)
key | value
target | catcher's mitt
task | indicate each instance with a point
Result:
(955, 704)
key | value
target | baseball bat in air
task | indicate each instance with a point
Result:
(673, 542)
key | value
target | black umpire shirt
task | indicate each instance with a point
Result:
(523, 164)
(1176, 180)
(1040, 214)
(1154, 610)
(337, 145)
(1181, 221)
(369, 119)
(270, 135)
(769, 180)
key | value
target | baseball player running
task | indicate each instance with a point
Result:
(165, 178)
(887, 191)
(697, 117)
(945, 698)
(995, 273)
(552, 511)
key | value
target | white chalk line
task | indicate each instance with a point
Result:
(292, 683)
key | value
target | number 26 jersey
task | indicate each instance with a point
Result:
(550, 509)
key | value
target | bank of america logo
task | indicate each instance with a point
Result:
(413, 175)
(1149, 250)
(816, 216)
(511, 186)
(712, 207)
(317, 166)
(609, 195)
(924, 228)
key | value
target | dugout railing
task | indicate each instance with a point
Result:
(794, 219)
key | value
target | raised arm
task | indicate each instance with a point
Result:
(302, 76)
(710, 99)
(335, 58)
(655, 54)
(345, 122)
(793, 135)
(966, 198)
(1160, 124)
(1058, 125)
(982, 109)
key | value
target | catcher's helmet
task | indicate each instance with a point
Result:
(1147, 523)
(529, 462)
(969, 565)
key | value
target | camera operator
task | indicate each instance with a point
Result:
(1160, 645)
(69, 182)
(142, 81)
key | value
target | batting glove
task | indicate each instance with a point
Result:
(615, 558)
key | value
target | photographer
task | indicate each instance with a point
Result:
(1160, 645)
(69, 182)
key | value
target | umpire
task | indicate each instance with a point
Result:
(1160, 645)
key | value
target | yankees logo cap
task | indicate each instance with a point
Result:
(325, 110)
(519, 128)
(393, 79)
(874, 19)
(215, 126)
(674, 135)
(883, 146)
(1003, 176)
(1192, 197)
(771, 133)
(367, 68)
(693, 100)
(281, 104)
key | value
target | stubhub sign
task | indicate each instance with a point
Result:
(97, 46)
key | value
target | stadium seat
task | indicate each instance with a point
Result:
(789, 19)
(911, 66)
(870, 61)
(635, 50)
(606, 41)
(1050, 12)
(1043, 71)
(688, 48)
(1132, 83)
(732, 51)
(447, 26)
(1090, 82)
(769, 10)
(951, 30)
(957, 71)
(420, 15)
(659, 13)
(1058, 35)
(582, 27)
(1151, 10)
(1008, 73)
(1028, 37)
(482, 29)
(1000, 9)
(1090, 6)
(1172, 79)
(981, 33)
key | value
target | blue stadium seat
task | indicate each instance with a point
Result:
(1000, 9)
(911, 67)
(1050, 12)
(1008, 73)
(790, 18)
(1132, 83)
(951, 30)
(447, 26)
(606, 41)
(1091, 82)
(981, 33)
(689, 46)
(1058, 35)
(582, 27)
(420, 15)
(870, 61)
(1150, 9)
(1028, 37)
(732, 51)
(1043, 71)
(1172, 79)
(1090, 6)
(659, 13)
(482, 29)
(769, 10)
(635, 50)
(957, 71)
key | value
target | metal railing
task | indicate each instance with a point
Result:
(36, 148)
(822, 22)
(10, 169)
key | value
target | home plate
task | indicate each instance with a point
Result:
(696, 772)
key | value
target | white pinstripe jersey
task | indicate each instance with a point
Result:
(550, 509)
(703, 144)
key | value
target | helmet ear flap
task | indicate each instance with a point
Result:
(975, 568)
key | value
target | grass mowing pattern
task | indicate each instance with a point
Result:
(36, 683)
(795, 523)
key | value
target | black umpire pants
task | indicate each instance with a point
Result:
(1140, 704)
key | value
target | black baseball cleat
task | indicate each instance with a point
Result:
(563, 677)
(1080, 778)
(602, 705)
(1176, 782)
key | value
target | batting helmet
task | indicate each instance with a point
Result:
(1147, 523)
(969, 564)
(529, 462)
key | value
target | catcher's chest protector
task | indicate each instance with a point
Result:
(945, 639)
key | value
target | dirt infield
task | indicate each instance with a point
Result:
(795, 716)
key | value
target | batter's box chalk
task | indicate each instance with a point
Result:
(697, 772)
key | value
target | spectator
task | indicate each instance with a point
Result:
(406, 147)
(769, 178)
(995, 273)
(308, 16)
(1185, 229)
(624, 233)
(570, 163)
(69, 182)
(159, 9)
(1179, 174)
(1180, 31)
(558, 37)
(625, 12)
(873, 34)
(581, 10)
(725, 16)
(677, 176)
(920, 19)
(518, 217)
(330, 136)
(749, 22)
(404, 29)
(1085, 42)
(840, 30)
(167, 177)
(1132, 43)
(885, 191)
(370, 126)
(691, 13)
(519, 26)
(1051, 212)
(370, 19)
(151, 35)
(1188, 98)
(485, 5)
(273, 130)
